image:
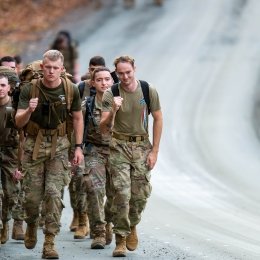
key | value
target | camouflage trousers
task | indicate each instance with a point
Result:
(44, 180)
(96, 184)
(12, 198)
(131, 182)
(78, 198)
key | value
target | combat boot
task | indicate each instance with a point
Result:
(132, 239)
(83, 227)
(120, 250)
(99, 240)
(30, 238)
(109, 233)
(18, 233)
(5, 233)
(49, 252)
(75, 221)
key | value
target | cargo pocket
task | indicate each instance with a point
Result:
(66, 172)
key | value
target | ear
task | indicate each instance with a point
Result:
(41, 65)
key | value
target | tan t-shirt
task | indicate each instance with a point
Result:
(132, 117)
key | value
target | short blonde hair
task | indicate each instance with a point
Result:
(53, 55)
(124, 58)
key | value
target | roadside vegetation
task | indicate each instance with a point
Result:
(23, 21)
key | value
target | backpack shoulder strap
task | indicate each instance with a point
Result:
(81, 88)
(35, 90)
(90, 102)
(68, 87)
(115, 90)
(145, 89)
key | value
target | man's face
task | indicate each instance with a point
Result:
(102, 81)
(10, 64)
(125, 72)
(4, 87)
(52, 70)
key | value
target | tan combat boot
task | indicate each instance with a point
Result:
(30, 238)
(75, 221)
(120, 250)
(49, 252)
(5, 233)
(109, 233)
(132, 239)
(99, 241)
(83, 227)
(18, 233)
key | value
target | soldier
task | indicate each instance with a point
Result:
(132, 156)
(96, 176)
(8, 61)
(45, 162)
(10, 175)
(78, 201)
(12, 201)
(68, 47)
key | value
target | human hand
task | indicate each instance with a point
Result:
(78, 157)
(33, 103)
(17, 175)
(151, 160)
(117, 102)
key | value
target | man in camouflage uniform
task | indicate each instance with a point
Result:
(9, 138)
(45, 162)
(132, 156)
(96, 176)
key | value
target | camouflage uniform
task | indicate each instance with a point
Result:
(46, 175)
(129, 149)
(96, 179)
(78, 198)
(10, 190)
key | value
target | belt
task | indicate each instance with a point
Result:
(130, 138)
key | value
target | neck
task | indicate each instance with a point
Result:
(51, 84)
(131, 87)
(99, 96)
(4, 101)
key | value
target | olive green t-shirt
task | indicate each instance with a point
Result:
(51, 109)
(132, 117)
(8, 136)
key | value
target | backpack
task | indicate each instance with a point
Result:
(33, 74)
(82, 85)
(145, 90)
(90, 103)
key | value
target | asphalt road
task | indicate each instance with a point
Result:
(203, 57)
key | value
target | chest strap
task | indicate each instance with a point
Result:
(33, 129)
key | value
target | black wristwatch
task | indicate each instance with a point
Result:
(79, 145)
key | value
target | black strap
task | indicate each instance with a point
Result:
(81, 88)
(90, 103)
(145, 90)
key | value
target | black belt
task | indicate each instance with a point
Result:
(130, 138)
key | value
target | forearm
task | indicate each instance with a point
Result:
(78, 129)
(157, 132)
(22, 117)
(107, 122)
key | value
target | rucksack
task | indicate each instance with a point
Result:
(81, 87)
(33, 74)
(145, 90)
